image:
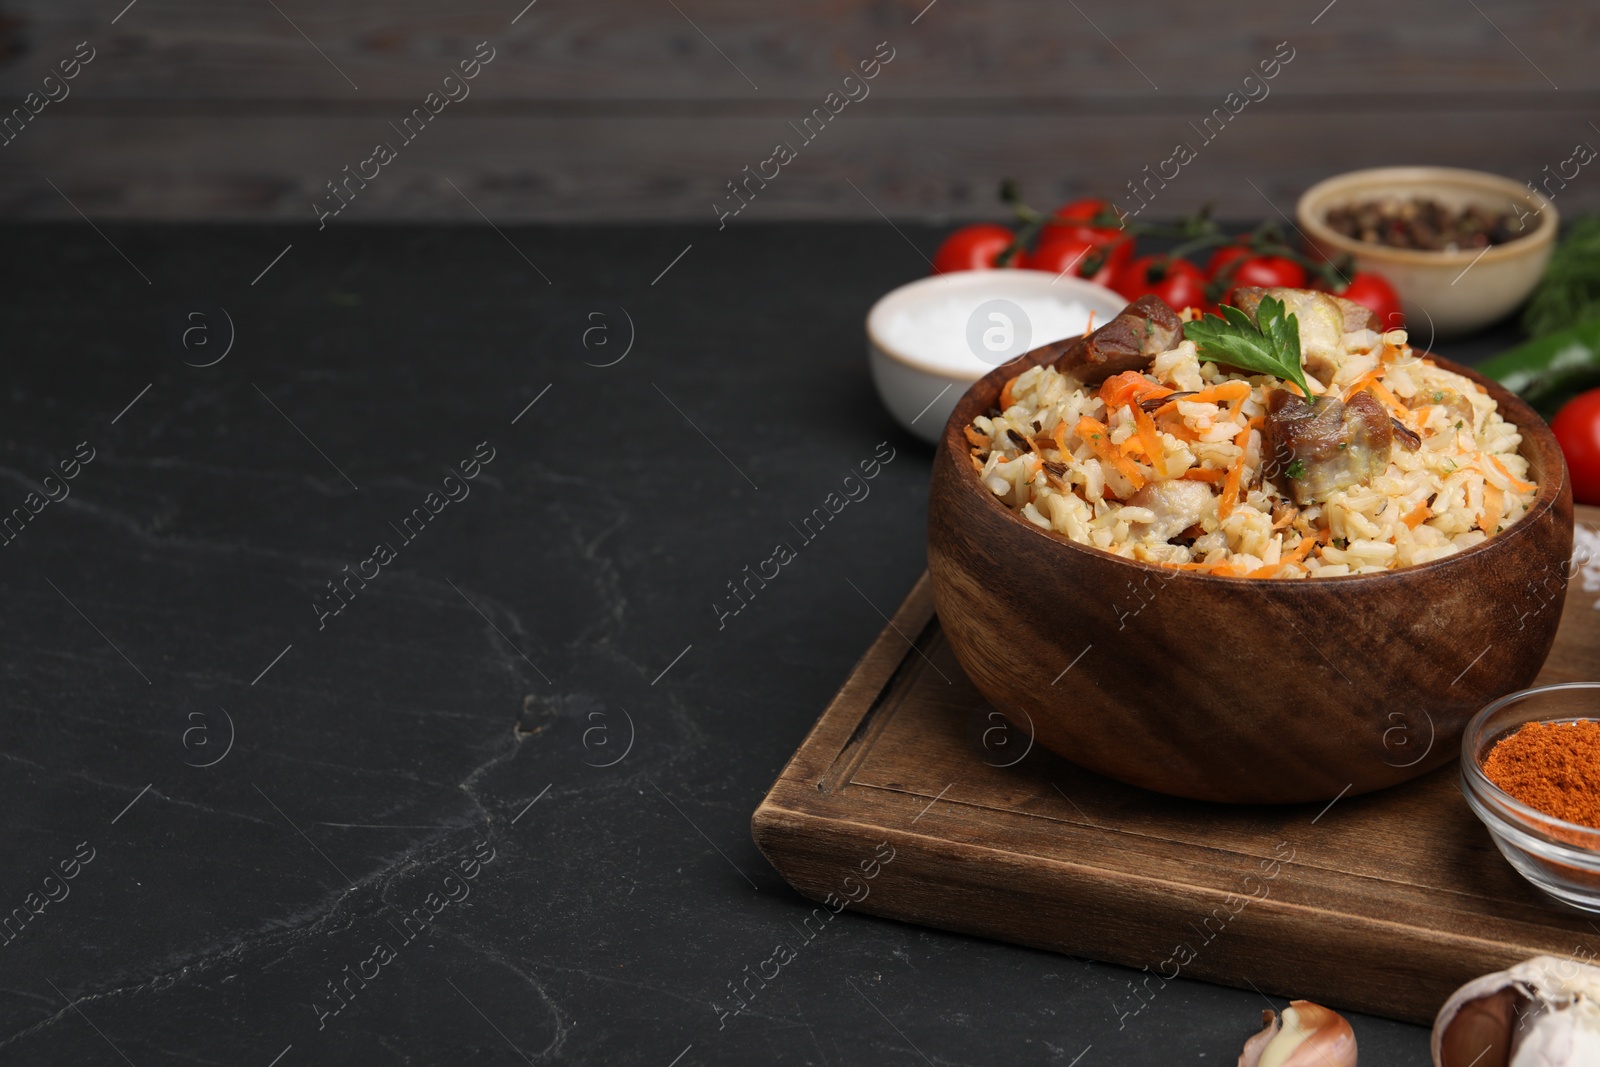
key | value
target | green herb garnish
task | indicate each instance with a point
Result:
(1297, 469)
(1273, 347)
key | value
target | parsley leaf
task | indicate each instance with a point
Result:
(1296, 469)
(1273, 347)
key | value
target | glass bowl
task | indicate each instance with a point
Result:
(1559, 857)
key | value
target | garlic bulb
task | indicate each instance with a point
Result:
(1542, 1013)
(1310, 1036)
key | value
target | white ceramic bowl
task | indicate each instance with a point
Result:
(1456, 292)
(920, 379)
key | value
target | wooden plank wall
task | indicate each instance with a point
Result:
(645, 109)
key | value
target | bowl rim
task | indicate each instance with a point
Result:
(964, 279)
(952, 449)
(1312, 206)
(1480, 783)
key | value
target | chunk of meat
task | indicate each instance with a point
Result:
(1324, 320)
(1177, 504)
(1456, 406)
(1318, 449)
(1140, 332)
(1352, 316)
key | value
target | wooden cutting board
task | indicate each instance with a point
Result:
(1383, 903)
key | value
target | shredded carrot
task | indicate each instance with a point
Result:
(1059, 434)
(1362, 382)
(1204, 474)
(1390, 353)
(1265, 572)
(1099, 439)
(1152, 442)
(1516, 483)
(1132, 446)
(1006, 399)
(1303, 549)
(1173, 424)
(1494, 508)
(1230, 486)
(1224, 570)
(976, 439)
(1089, 326)
(1211, 395)
(1230, 489)
(1129, 387)
(1390, 401)
(1417, 515)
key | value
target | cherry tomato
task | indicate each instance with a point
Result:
(1080, 213)
(1577, 427)
(1373, 292)
(1236, 266)
(1083, 252)
(1083, 210)
(1177, 281)
(975, 247)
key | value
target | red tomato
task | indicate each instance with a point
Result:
(975, 247)
(1082, 252)
(1177, 281)
(1238, 266)
(1081, 213)
(1083, 210)
(1371, 291)
(1577, 427)
(1224, 256)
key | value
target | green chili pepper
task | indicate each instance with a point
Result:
(1549, 371)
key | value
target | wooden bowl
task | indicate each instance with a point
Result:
(1238, 689)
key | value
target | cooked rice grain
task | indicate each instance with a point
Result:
(1465, 483)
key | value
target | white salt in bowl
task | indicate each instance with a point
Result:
(929, 340)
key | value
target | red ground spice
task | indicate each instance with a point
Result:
(1551, 766)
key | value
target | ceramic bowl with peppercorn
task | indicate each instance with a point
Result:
(1461, 247)
(1530, 769)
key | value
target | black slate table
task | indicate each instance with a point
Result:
(366, 695)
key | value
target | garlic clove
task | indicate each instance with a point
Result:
(1558, 1039)
(1481, 1031)
(1310, 1036)
(1541, 1013)
(1251, 1056)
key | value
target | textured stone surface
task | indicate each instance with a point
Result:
(517, 644)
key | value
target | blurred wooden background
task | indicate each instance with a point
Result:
(626, 110)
